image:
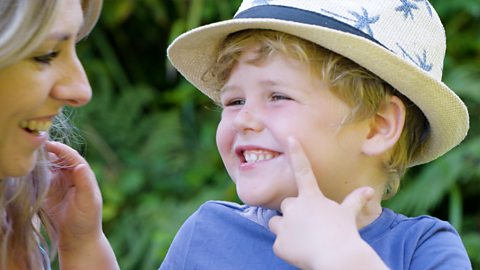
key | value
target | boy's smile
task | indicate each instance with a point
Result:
(253, 154)
(265, 103)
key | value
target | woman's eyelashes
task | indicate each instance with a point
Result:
(46, 58)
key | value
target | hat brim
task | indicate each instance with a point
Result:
(193, 52)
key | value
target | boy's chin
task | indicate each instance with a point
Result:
(260, 201)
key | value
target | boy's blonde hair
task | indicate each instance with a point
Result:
(360, 89)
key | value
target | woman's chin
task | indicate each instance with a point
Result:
(19, 167)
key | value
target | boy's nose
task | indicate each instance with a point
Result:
(248, 120)
(72, 86)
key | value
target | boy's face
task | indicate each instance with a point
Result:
(264, 104)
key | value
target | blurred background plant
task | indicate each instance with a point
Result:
(150, 136)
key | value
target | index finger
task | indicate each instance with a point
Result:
(66, 155)
(302, 170)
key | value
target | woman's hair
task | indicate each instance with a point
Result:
(33, 20)
(24, 25)
(359, 88)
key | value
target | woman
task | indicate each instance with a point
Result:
(39, 74)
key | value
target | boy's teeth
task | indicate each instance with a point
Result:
(38, 126)
(254, 156)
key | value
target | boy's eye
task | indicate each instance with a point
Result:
(276, 97)
(234, 102)
(46, 58)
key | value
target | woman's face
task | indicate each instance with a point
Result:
(34, 90)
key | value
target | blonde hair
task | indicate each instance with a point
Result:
(362, 90)
(33, 19)
(24, 24)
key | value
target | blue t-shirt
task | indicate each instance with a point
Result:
(224, 235)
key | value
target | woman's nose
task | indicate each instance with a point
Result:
(248, 119)
(72, 86)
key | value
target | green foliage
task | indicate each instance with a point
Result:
(150, 136)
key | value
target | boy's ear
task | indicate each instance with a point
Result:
(385, 127)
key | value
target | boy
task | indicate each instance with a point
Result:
(325, 104)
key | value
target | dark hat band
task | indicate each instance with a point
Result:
(301, 16)
(308, 17)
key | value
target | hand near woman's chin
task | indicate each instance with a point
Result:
(74, 201)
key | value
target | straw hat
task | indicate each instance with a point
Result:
(401, 41)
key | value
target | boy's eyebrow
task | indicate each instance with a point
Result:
(226, 88)
(60, 36)
(270, 83)
(264, 83)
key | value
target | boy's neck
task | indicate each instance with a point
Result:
(369, 213)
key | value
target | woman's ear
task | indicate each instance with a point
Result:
(385, 127)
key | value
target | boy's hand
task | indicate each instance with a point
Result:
(74, 201)
(316, 232)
